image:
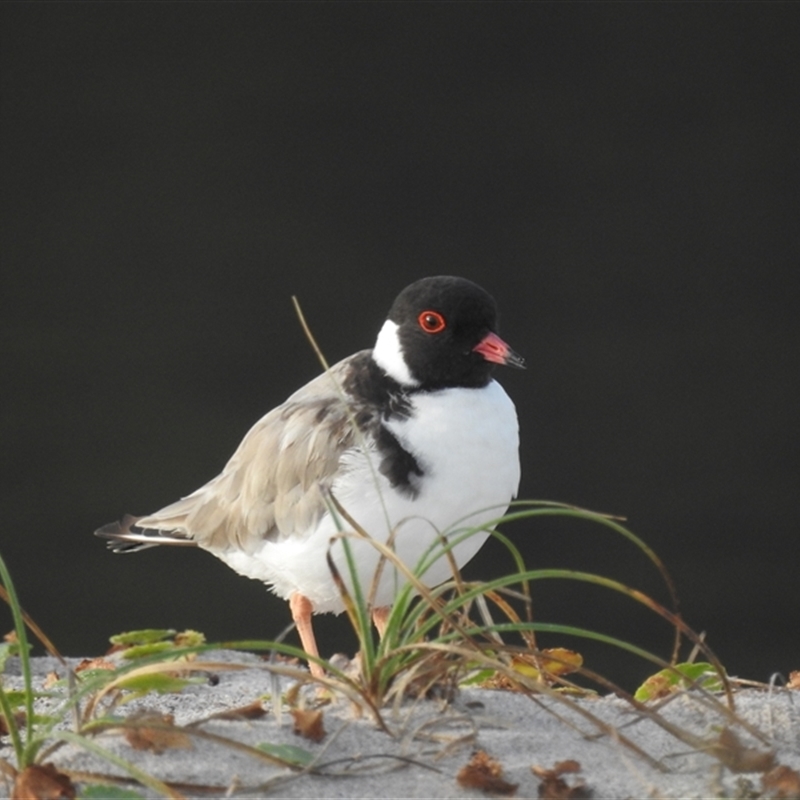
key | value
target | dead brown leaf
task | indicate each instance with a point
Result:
(50, 680)
(485, 773)
(11, 637)
(42, 782)
(554, 787)
(738, 758)
(781, 783)
(434, 679)
(569, 765)
(254, 710)
(156, 732)
(794, 679)
(94, 663)
(308, 724)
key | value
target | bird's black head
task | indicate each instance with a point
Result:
(442, 332)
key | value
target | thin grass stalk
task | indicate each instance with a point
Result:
(430, 598)
(727, 710)
(533, 688)
(608, 583)
(35, 629)
(355, 607)
(426, 561)
(386, 553)
(520, 564)
(13, 728)
(10, 596)
(110, 724)
(98, 687)
(547, 508)
(359, 434)
(482, 590)
(671, 617)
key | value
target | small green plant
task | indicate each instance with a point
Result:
(679, 677)
(83, 705)
(439, 638)
(450, 608)
(34, 737)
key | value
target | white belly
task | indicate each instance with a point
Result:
(468, 450)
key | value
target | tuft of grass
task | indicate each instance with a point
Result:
(422, 637)
(85, 704)
(463, 632)
(458, 612)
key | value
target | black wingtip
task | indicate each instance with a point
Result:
(118, 527)
(115, 533)
(126, 536)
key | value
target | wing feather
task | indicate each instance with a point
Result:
(270, 487)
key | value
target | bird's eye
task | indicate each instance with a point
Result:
(431, 322)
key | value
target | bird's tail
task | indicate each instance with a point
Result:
(126, 536)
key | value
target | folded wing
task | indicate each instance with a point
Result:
(271, 486)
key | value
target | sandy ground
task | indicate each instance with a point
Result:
(429, 743)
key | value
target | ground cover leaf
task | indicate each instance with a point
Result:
(291, 755)
(152, 641)
(145, 650)
(189, 638)
(155, 732)
(42, 782)
(485, 773)
(308, 723)
(15, 697)
(554, 787)
(669, 681)
(544, 666)
(160, 682)
(782, 783)
(8, 648)
(146, 636)
(553, 661)
(95, 663)
(254, 710)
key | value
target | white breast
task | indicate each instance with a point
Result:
(466, 441)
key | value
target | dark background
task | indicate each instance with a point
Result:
(624, 178)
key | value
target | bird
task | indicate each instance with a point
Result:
(413, 440)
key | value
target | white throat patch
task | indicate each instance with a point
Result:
(388, 354)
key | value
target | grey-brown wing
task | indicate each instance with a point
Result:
(270, 488)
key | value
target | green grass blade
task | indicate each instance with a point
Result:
(25, 665)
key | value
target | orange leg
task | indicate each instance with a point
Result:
(301, 609)
(380, 616)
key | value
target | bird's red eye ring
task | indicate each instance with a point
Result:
(431, 322)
